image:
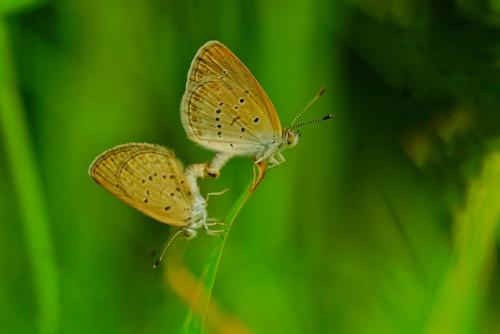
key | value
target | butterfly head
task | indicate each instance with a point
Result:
(189, 232)
(290, 138)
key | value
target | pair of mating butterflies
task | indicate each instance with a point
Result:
(223, 109)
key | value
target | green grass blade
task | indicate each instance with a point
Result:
(459, 299)
(25, 178)
(193, 323)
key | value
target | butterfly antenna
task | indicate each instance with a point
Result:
(324, 118)
(314, 99)
(165, 247)
(158, 247)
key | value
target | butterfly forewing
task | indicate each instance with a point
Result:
(224, 108)
(147, 177)
(224, 118)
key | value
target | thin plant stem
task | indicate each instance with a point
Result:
(191, 325)
(211, 270)
(29, 196)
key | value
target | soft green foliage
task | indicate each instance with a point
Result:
(460, 295)
(32, 211)
(383, 220)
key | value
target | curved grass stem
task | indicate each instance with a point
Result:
(27, 186)
(193, 323)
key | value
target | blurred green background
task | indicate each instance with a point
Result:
(381, 221)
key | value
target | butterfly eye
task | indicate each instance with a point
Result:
(292, 138)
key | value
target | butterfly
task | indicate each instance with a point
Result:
(152, 180)
(224, 109)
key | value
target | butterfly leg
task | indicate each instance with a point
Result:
(276, 160)
(214, 222)
(218, 193)
(273, 162)
(215, 232)
(281, 159)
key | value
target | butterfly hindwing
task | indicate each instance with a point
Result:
(147, 177)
